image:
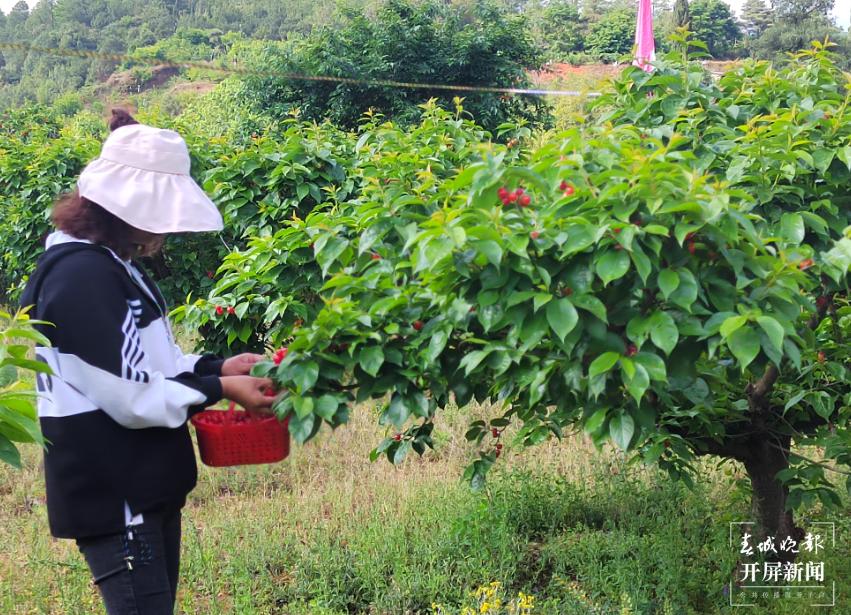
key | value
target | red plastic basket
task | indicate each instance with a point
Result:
(230, 438)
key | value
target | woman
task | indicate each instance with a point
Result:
(120, 461)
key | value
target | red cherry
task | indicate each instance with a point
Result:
(617, 231)
(689, 236)
(210, 274)
(280, 355)
(806, 264)
(495, 432)
(519, 191)
(534, 234)
(502, 192)
(691, 247)
(567, 291)
(563, 185)
(822, 302)
(418, 325)
(376, 256)
(219, 310)
(821, 356)
(631, 350)
(512, 196)
(398, 437)
(525, 200)
(231, 310)
(270, 393)
(569, 190)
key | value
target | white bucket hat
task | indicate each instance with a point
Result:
(142, 177)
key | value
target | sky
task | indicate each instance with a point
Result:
(841, 10)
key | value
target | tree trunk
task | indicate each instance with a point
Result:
(764, 461)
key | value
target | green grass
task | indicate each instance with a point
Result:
(327, 532)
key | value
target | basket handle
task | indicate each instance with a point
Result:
(231, 408)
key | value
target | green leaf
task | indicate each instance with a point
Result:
(612, 265)
(330, 252)
(9, 453)
(471, 360)
(638, 384)
(300, 428)
(590, 303)
(744, 344)
(663, 331)
(628, 368)
(398, 411)
(371, 359)
(491, 250)
(822, 403)
(401, 452)
(603, 363)
(732, 324)
(621, 429)
(792, 228)
(668, 282)
(773, 330)
(436, 345)
(637, 329)
(305, 375)
(642, 263)
(540, 300)
(562, 317)
(326, 407)
(794, 400)
(596, 420)
(654, 364)
(686, 293)
(302, 405)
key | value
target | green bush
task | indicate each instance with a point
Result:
(18, 417)
(474, 44)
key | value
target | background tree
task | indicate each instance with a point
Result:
(757, 16)
(425, 42)
(797, 11)
(612, 36)
(681, 13)
(713, 22)
(559, 28)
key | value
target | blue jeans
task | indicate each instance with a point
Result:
(136, 571)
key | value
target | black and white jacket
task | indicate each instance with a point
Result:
(114, 411)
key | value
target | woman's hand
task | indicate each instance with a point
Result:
(240, 365)
(249, 392)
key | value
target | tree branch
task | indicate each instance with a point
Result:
(759, 391)
(812, 461)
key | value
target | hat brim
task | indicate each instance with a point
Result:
(149, 200)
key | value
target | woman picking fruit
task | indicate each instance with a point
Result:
(120, 462)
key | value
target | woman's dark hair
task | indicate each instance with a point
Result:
(120, 117)
(85, 219)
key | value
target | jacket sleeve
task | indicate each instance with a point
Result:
(201, 365)
(100, 354)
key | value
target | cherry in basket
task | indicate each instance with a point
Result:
(232, 438)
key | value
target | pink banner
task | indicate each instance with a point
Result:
(645, 48)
